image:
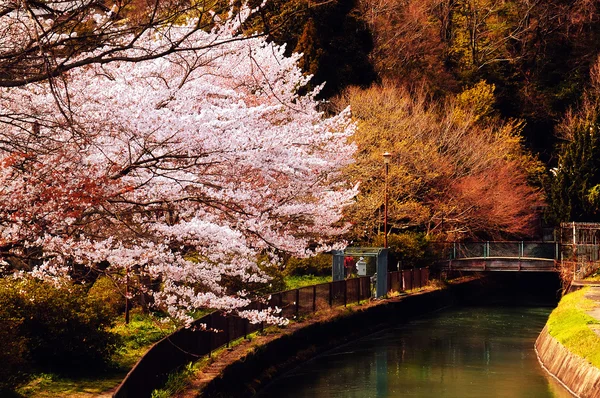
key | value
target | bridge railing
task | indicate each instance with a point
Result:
(491, 249)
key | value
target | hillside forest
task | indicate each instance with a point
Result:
(460, 91)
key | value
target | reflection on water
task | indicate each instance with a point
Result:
(465, 352)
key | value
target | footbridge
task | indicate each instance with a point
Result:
(521, 256)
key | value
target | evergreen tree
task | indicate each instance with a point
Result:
(332, 37)
(576, 182)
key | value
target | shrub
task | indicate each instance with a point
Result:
(104, 290)
(319, 265)
(408, 248)
(63, 329)
(12, 355)
(275, 283)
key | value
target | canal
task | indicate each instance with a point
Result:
(468, 351)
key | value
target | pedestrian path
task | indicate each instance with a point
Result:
(594, 294)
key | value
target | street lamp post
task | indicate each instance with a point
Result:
(386, 160)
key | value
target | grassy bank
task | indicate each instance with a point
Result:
(136, 337)
(570, 324)
(295, 282)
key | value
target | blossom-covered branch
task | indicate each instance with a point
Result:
(184, 168)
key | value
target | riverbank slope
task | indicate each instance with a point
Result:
(569, 345)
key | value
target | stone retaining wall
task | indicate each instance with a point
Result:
(574, 372)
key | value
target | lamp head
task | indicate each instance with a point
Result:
(387, 157)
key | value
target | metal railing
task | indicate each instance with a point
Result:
(408, 279)
(190, 344)
(491, 249)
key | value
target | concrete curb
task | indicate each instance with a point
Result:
(576, 374)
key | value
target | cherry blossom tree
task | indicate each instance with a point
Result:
(185, 168)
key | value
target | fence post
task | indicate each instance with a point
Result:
(345, 291)
(331, 294)
(358, 290)
(227, 336)
(209, 324)
(314, 298)
(522, 250)
(382, 271)
(280, 295)
(297, 301)
(338, 270)
(262, 324)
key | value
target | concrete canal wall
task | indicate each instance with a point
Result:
(574, 372)
(258, 366)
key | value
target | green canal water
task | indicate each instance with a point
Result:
(461, 352)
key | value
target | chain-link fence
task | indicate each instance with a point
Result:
(580, 250)
(583, 253)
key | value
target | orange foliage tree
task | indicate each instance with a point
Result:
(457, 171)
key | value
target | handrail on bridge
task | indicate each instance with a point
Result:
(498, 249)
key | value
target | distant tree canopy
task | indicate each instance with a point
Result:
(332, 36)
(536, 53)
(575, 192)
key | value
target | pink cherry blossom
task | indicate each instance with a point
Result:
(184, 168)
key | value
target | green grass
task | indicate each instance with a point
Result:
(141, 332)
(295, 282)
(595, 277)
(570, 325)
(50, 385)
(137, 337)
(176, 382)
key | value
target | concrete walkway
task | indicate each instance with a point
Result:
(594, 295)
(586, 283)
